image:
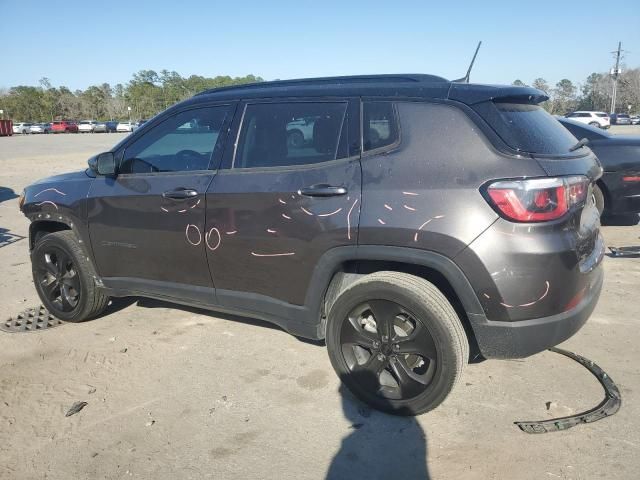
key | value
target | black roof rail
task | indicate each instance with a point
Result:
(386, 78)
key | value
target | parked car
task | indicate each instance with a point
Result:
(105, 127)
(22, 128)
(464, 222)
(40, 128)
(125, 127)
(595, 119)
(138, 124)
(635, 119)
(620, 119)
(64, 126)
(87, 126)
(618, 190)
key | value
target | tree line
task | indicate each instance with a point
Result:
(147, 93)
(594, 94)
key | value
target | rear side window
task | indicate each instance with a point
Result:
(526, 128)
(289, 134)
(380, 127)
(602, 115)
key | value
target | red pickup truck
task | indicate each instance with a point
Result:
(64, 126)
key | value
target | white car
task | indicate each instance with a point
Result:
(595, 119)
(125, 127)
(40, 128)
(22, 128)
(87, 126)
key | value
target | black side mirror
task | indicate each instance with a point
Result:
(103, 164)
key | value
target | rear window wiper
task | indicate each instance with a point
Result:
(581, 143)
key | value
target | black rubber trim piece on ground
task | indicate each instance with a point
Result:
(632, 252)
(609, 406)
(30, 320)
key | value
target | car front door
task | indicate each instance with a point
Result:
(287, 193)
(147, 223)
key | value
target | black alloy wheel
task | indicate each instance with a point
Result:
(58, 279)
(390, 353)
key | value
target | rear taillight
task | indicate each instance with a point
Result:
(537, 199)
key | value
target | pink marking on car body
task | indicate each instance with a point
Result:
(285, 254)
(48, 202)
(286, 216)
(415, 236)
(50, 190)
(196, 204)
(381, 222)
(306, 211)
(546, 292)
(231, 232)
(182, 211)
(329, 214)
(208, 235)
(409, 208)
(282, 201)
(349, 219)
(164, 209)
(387, 207)
(411, 193)
(186, 232)
(270, 230)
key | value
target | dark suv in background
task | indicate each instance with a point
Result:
(417, 218)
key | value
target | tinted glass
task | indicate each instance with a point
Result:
(526, 128)
(183, 142)
(581, 131)
(379, 125)
(602, 115)
(284, 134)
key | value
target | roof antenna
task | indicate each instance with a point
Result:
(465, 79)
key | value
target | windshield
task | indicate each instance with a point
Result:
(526, 128)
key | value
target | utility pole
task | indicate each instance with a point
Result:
(615, 73)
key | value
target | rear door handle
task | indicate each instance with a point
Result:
(180, 193)
(322, 190)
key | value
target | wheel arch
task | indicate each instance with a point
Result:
(40, 228)
(342, 266)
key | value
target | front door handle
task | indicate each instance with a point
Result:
(322, 190)
(180, 193)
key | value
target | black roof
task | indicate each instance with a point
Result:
(398, 85)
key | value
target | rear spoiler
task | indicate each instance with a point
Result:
(474, 93)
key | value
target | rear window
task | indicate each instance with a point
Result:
(526, 128)
(622, 115)
(602, 115)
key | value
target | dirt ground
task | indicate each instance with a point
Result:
(174, 393)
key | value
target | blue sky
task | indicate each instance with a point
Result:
(78, 44)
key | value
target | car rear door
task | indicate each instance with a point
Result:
(279, 203)
(147, 223)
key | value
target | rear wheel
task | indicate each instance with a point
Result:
(64, 278)
(594, 124)
(396, 342)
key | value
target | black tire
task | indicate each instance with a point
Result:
(598, 198)
(436, 324)
(295, 138)
(60, 269)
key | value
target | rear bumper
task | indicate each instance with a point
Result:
(517, 339)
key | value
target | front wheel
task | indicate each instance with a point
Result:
(396, 342)
(64, 278)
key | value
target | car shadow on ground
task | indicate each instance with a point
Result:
(7, 194)
(379, 445)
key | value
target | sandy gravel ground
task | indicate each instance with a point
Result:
(174, 393)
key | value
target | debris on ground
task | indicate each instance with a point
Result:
(75, 408)
(609, 406)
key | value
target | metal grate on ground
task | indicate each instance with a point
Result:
(30, 320)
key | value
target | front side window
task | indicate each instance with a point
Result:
(380, 127)
(183, 142)
(290, 134)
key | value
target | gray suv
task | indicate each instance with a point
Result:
(420, 223)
